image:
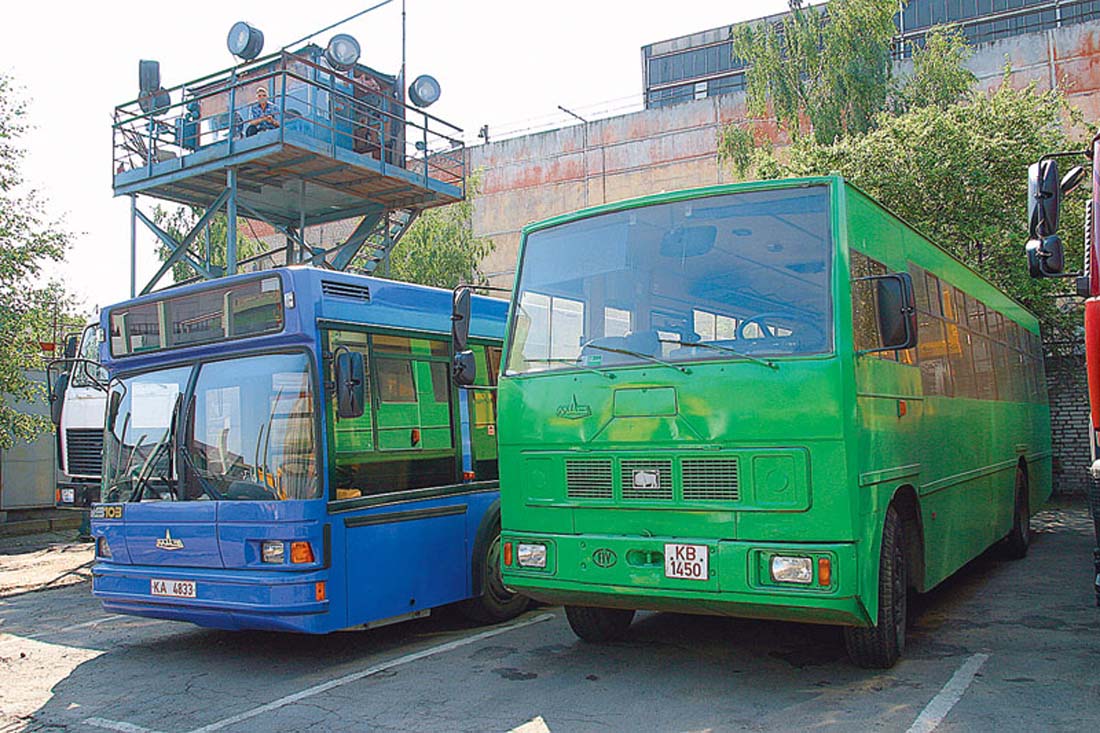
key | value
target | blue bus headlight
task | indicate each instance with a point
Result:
(531, 555)
(102, 548)
(273, 552)
(792, 569)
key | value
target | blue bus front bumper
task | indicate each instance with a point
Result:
(224, 599)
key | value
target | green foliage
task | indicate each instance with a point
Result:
(833, 72)
(940, 77)
(178, 221)
(29, 310)
(440, 248)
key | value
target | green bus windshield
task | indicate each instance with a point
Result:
(711, 278)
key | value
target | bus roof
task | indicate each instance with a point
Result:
(309, 295)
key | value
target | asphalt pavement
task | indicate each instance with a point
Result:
(1001, 646)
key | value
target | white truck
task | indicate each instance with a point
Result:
(78, 404)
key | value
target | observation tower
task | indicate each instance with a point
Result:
(335, 139)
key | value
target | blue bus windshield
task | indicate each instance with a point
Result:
(247, 432)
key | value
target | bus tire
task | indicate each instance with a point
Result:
(597, 625)
(880, 646)
(497, 601)
(1017, 541)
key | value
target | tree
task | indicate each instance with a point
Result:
(940, 77)
(829, 68)
(180, 220)
(29, 238)
(440, 248)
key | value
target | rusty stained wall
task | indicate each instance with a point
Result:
(529, 178)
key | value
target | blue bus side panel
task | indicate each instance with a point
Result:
(404, 566)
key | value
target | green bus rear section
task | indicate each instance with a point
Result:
(816, 449)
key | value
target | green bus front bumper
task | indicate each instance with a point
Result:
(629, 572)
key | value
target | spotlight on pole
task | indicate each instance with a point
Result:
(424, 91)
(245, 41)
(342, 52)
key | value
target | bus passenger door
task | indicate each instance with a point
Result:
(406, 551)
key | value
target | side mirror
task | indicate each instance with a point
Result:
(71, 342)
(1044, 197)
(351, 383)
(1046, 257)
(460, 318)
(464, 368)
(897, 311)
(1073, 179)
(57, 397)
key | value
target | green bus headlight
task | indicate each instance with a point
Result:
(792, 569)
(531, 555)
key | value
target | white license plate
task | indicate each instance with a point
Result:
(68, 496)
(172, 588)
(686, 561)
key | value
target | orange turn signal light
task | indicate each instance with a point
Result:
(824, 572)
(468, 475)
(508, 553)
(903, 408)
(301, 552)
(319, 590)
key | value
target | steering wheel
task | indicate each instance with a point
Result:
(759, 319)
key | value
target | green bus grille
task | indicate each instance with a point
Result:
(588, 479)
(710, 479)
(654, 479)
(647, 480)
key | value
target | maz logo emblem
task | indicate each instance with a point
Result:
(573, 411)
(167, 543)
(644, 479)
(604, 557)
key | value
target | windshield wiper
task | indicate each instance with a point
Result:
(575, 362)
(638, 355)
(763, 362)
(147, 468)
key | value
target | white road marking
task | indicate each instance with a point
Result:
(117, 725)
(936, 710)
(11, 636)
(74, 627)
(534, 725)
(373, 669)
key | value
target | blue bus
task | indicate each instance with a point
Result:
(286, 450)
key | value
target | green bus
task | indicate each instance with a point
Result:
(771, 400)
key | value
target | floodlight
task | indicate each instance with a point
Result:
(148, 76)
(424, 91)
(245, 41)
(342, 52)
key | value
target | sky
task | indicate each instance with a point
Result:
(505, 63)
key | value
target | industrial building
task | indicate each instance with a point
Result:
(705, 64)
